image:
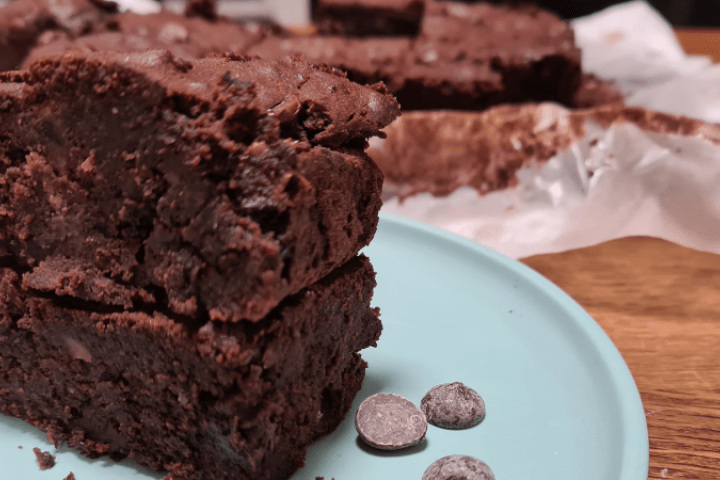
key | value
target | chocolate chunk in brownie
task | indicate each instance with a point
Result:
(213, 400)
(368, 17)
(214, 188)
(44, 460)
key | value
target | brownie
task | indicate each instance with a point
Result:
(471, 57)
(439, 152)
(210, 189)
(34, 29)
(365, 60)
(22, 22)
(367, 17)
(594, 91)
(206, 9)
(212, 401)
(186, 38)
(466, 57)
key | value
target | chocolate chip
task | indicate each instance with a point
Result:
(389, 422)
(453, 405)
(458, 467)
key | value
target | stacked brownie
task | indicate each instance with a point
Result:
(179, 272)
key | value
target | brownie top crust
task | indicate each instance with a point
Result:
(212, 188)
(23, 22)
(278, 89)
(464, 57)
(34, 29)
(186, 38)
(483, 31)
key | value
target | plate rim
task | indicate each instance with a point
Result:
(635, 462)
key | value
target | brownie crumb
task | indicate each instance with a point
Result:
(70, 477)
(44, 459)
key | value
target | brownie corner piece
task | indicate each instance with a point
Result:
(215, 187)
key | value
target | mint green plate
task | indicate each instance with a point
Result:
(561, 403)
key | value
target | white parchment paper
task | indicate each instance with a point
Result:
(634, 46)
(617, 181)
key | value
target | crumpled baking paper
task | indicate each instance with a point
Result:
(634, 46)
(617, 181)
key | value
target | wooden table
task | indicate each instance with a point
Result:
(660, 304)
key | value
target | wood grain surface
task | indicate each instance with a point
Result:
(660, 305)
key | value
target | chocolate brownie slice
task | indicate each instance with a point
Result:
(186, 38)
(365, 60)
(473, 56)
(466, 57)
(34, 29)
(23, 22)
(367, 17)
(422, 154)
(214, 188)
(214, 400)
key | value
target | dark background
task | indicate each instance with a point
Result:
(698, 13)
